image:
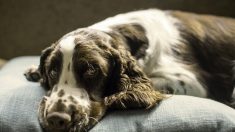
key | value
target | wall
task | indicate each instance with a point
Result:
(28, 26)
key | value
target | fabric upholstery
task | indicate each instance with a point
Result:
(19, 101)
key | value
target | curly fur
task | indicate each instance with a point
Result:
(125, 61)
(133, 89)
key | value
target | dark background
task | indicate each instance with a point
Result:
(28, 26)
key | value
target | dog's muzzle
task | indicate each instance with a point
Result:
(59, 117)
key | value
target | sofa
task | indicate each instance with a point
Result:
(19, 101)
(29, 26)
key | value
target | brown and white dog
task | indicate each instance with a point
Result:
(124, 61)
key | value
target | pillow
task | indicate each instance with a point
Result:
(177, 114)
(19, 100)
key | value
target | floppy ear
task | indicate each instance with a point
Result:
(38, 74)
(132, 88)
(41, 68)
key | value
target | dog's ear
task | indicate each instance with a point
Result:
(130, 87)
(38, 74)
(42, 66)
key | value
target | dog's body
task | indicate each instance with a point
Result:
(109, 64)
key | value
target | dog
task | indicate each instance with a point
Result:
(131, 61)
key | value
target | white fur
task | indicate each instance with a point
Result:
(162, 34)
(159, 62)
(67, 46)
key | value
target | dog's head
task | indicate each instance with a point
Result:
(88, 71)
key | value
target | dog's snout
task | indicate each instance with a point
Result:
(58, 120)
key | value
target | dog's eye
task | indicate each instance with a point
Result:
(53, 73)
(91, 71)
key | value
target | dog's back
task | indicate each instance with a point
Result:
(183, 53)
(212, 46)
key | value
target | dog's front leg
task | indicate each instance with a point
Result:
(32, 74)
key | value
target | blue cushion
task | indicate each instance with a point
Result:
(19, 98)
(19, 101)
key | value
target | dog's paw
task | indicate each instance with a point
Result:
(32, 74)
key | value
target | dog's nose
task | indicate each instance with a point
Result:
(58, 120)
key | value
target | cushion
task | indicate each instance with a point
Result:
(19, 100)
